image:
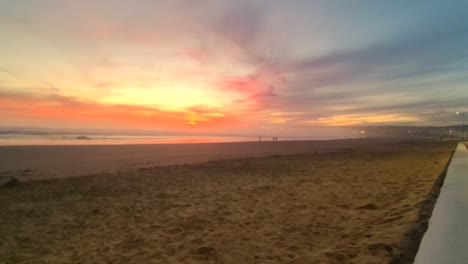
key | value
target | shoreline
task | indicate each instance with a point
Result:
(90, 141)
(204, 143)
(57, 161)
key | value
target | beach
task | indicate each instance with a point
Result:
(339, 201)
(56, 161)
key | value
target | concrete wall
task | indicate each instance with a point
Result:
(446, 240)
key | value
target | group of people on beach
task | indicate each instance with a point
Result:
(273, 138)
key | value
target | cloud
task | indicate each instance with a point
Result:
(241, 27)
(403, 70)
(270, 91)
(55, 108)
(410, 54)
(6, 71)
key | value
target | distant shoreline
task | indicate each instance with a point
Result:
(145, 140)
(62, 161)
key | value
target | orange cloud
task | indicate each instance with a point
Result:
(350, 120)
(66, 110)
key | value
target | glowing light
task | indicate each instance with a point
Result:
(168, 96)
(349, 120)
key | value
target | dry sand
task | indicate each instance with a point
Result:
(366, 204)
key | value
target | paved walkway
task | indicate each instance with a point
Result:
(446, 240)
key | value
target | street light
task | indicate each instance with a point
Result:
(463, 124)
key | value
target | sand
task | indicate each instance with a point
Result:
(40, 162)
(363, 204)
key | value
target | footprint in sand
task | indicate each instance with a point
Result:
(367, 206)
(206, 253)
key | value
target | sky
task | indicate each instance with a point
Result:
(232, 66)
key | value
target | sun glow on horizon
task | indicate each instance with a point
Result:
(364, 119)
(169, 96)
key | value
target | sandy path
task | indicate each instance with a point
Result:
(351, 206)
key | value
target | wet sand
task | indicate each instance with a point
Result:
(41, 162)
(366, 202)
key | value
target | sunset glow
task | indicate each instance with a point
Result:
(236, 67)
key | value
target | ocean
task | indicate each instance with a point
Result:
(11, 138)
(21, 137)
